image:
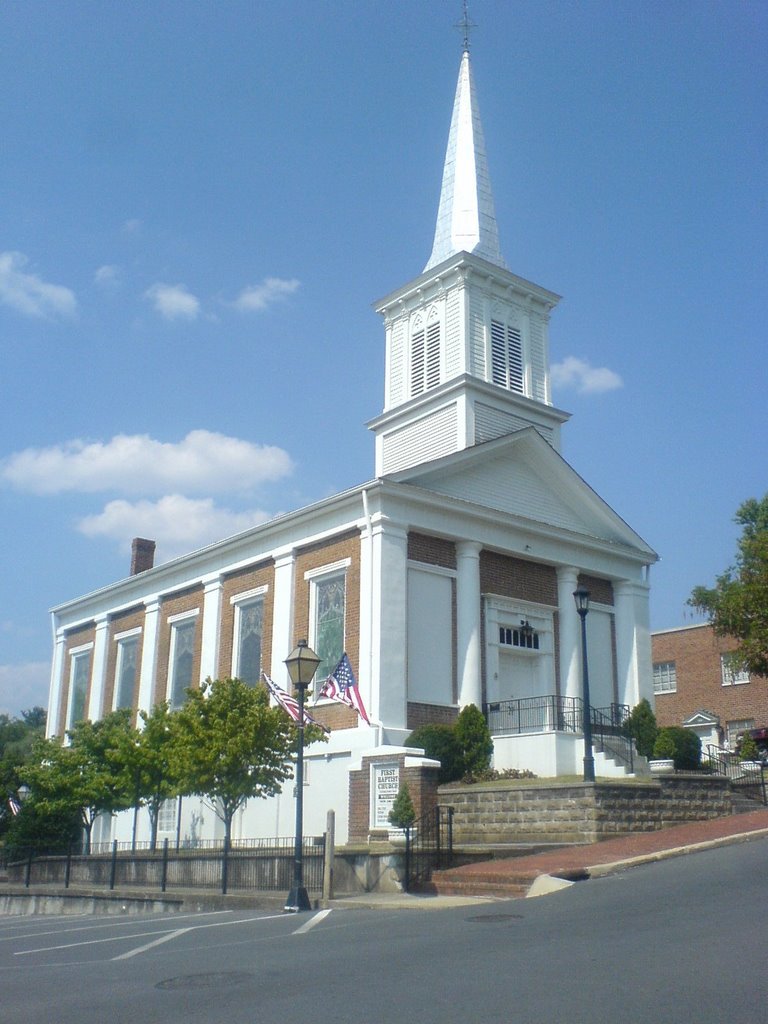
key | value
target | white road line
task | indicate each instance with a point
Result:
(150, 945)
(130, 920)
(88, 942)
(316, 919)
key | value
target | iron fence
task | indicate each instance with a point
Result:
(747, 781)
(428, 846)
(553, 713)
(252, 866)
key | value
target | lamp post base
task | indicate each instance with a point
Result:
(589, 769)
(297, 900)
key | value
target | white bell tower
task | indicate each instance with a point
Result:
(467, 356)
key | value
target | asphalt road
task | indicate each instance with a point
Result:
(674, 941)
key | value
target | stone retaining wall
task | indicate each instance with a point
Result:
(581, 812)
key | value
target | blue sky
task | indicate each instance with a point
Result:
(200, 203)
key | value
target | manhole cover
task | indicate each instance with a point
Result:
(494, 918)
(212, 979)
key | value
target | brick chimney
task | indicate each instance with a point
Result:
(142, 555)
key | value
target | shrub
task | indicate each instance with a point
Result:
(664, 747)
(684, 744)
(43, 831)
(748, 748)
(475, 741)
(440, 742)
(403, 813)
(642, 728)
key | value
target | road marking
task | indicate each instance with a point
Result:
(88, 942)
(130, 920)
(320, 916)
(150, 945)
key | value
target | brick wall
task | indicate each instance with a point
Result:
(514, 577)
(430, 714)
(431, 550)
(696, 653)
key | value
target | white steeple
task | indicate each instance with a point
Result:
(466, 218)
(467, 341)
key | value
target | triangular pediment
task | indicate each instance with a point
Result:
(701, 718)
(520, 474)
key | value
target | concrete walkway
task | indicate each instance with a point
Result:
(522, 876)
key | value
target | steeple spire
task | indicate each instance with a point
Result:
(466, 218)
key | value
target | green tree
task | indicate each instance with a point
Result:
(641, 726)
(17, 739)
(155, 761)
(90, 775)
(233, 746)
(475, 740)
(439, 741)
(403, 813)
(737, 605)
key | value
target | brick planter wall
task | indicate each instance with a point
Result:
(581, 812)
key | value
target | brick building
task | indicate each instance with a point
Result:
(448, 578)
(697, 684)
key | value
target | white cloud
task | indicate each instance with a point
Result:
(107, 275)
(577, 374)
(173, 301)
(27, 294)
(258, 297)
(24, 686)
(176, 523)
(201, 463)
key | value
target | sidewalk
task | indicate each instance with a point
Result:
(541, 873)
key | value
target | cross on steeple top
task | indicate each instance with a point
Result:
(466, 27)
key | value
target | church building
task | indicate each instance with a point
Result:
(448, 578)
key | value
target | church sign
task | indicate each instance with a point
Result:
(385, 783)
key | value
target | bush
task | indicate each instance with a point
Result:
(685, 747)
(664, 747)
(747, 748)
(475, 741)
(641, 726)
(440, 742)
(403, 813)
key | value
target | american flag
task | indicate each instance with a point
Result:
(289, 703)
(341, 686)
(14, 805)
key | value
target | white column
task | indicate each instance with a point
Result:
(209, 654)
(365, 651)
(633, 642)
(149, 653)
(569, 632)
(57, 679)
(96, 709)
(468, 623)
(389, 624)
(282, 615)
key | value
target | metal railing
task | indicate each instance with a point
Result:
(428, 846)
(749, 782)
(261, 866)
(553, 713)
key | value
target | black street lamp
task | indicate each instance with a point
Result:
(302, 664)
(581, 597)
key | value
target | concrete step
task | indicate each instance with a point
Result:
(478, 887)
